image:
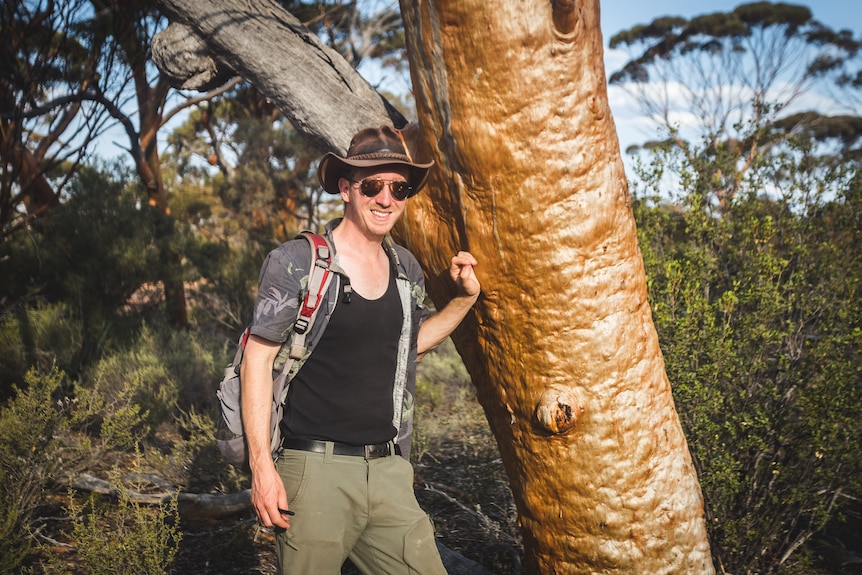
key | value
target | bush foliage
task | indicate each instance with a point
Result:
(756, 298)
(126, 537)
(29, 424)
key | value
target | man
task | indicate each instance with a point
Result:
(340, 488)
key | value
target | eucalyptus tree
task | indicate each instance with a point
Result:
(714, 73)
(46, 63)
(71, 71)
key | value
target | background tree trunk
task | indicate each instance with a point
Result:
(562, 349)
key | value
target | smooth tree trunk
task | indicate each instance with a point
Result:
(513, 102)
(562, 349)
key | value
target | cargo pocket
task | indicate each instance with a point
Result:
(420, 549)
(292, 467)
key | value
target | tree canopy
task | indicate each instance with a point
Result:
(713, 73)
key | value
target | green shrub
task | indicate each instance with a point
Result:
(756, 302)
(125, 536)
(29, 424)
(91, 252)
(443, 366)
(135, 385)
(222, 302)
(193, 360)
(200, 456)
(124, 426)
(446, 407)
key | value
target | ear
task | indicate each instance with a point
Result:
(344, 189)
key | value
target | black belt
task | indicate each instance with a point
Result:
(367, 451)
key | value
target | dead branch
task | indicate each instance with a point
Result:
(191, 505)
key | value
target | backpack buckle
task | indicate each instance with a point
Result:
(300, 325)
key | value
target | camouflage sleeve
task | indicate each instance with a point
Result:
(283, 276)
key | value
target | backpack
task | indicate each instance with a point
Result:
(230, 436)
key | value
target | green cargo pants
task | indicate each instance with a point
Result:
(347, 506)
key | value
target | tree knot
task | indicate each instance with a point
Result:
(566, 16)
(559, 409)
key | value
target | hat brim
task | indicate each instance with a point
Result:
(333, 167)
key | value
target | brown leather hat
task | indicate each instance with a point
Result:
(372, 147)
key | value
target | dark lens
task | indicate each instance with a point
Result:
(371, 188)
(400, 190)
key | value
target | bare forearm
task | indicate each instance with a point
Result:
(256, 379)
(441, 325)
(267, 490)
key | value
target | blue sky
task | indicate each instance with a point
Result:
(620, 14)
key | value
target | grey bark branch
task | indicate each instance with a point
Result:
(191, 505)
(183, 58)
(325, 99)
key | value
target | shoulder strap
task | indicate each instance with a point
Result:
(319, 277)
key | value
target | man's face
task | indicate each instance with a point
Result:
(375, 215)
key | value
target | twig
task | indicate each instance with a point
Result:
(210, 532)
(488, 522)
(53, 541)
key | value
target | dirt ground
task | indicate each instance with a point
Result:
(459, 481)
(463, 489)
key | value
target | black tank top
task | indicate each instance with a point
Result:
(344, 391)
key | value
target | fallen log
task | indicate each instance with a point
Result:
(192, 506)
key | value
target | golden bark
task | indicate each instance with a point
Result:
(562, 349)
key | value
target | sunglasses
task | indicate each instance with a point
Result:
(370, 187)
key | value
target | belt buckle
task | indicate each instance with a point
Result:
(375, 451)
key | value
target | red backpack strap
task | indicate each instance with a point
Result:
(319, 277)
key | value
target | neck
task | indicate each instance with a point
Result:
(363, 259)
(350, 238)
